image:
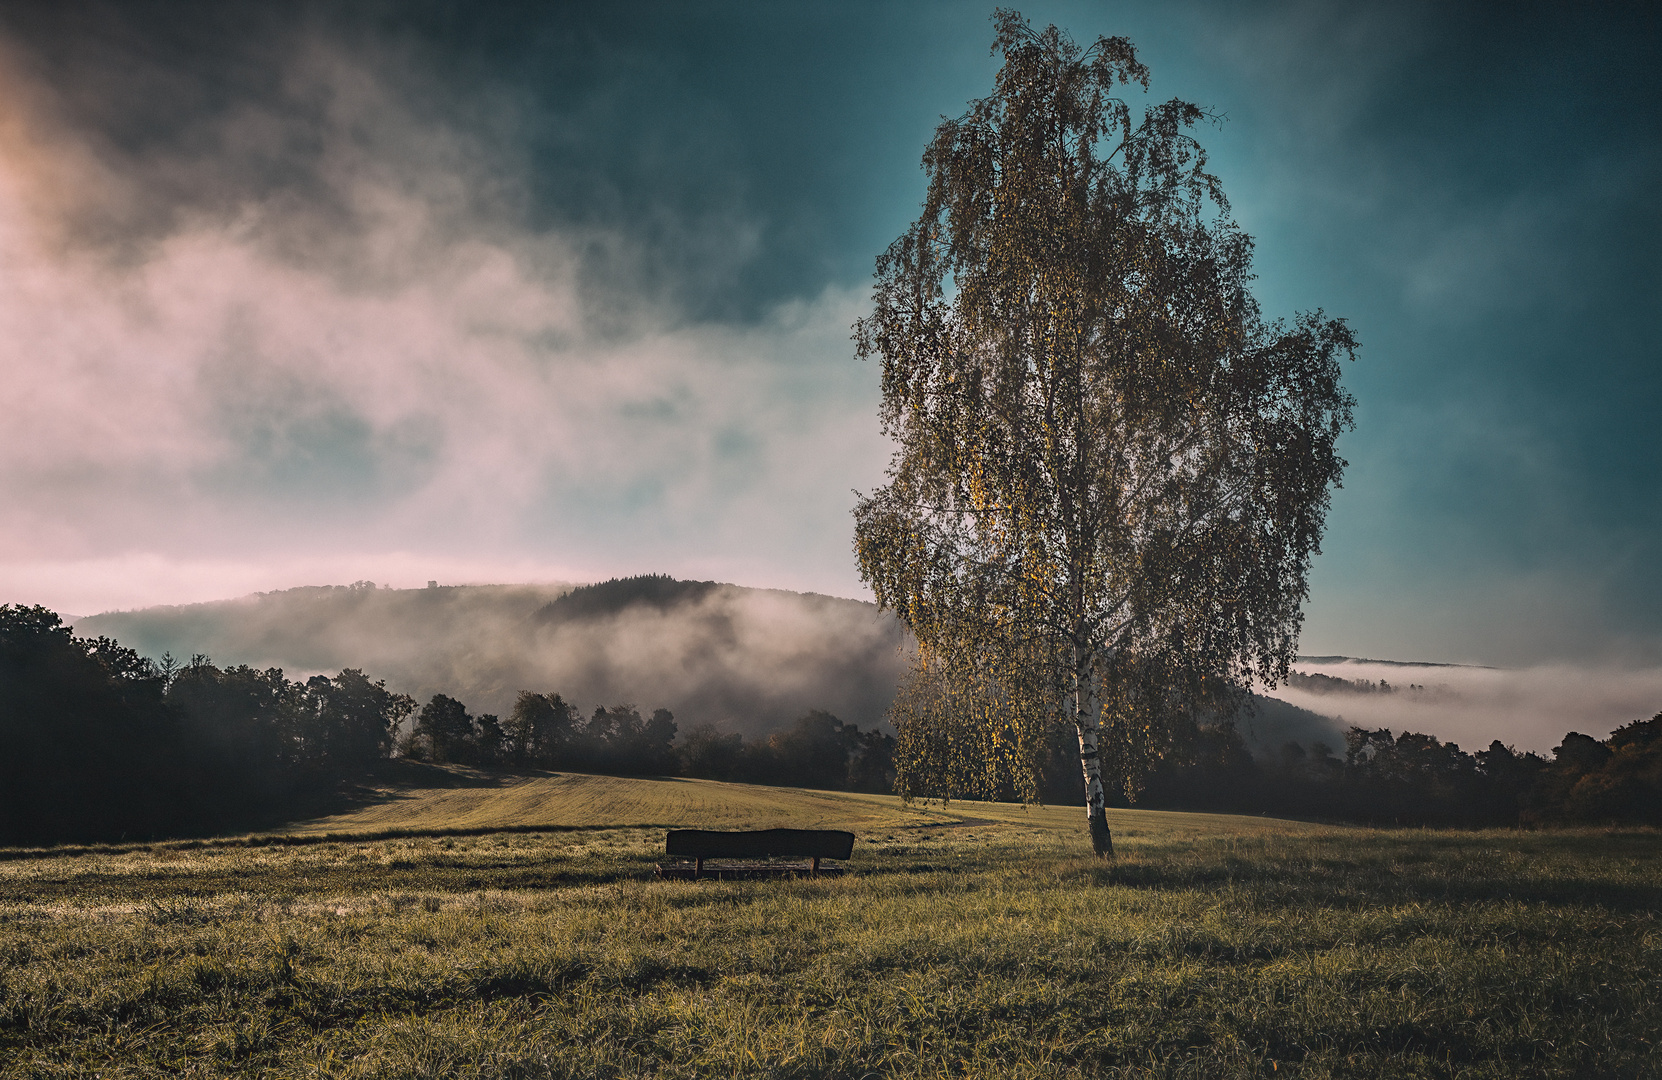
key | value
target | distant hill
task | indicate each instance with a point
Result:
(747, 660)
(1272, 723)
(1359, 660)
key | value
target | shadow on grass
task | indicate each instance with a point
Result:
(1578, 870)
(396, 781)
(279, 883)
(405, 773)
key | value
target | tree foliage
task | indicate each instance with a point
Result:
(97, 742)
(540, 726)
(1411, 778)
(445, 729)
(85, 735)
(1111, 472)
(100, 743)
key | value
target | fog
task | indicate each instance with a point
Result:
(747, 660)
(1530, 708)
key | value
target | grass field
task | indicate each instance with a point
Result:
(487, 926)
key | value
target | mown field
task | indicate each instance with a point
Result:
(513, 929)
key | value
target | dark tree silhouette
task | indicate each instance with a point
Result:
(540, 730)
(445, 730)
(351, 720)
(87, 744)
(712, 754)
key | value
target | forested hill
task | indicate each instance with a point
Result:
(747, 660)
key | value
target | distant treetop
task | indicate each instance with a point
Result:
(658, 591)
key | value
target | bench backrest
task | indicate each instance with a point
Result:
(760, 844)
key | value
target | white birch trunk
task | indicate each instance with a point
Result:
(1087, 719)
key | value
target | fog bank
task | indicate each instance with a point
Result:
(747, 660)
(1530, 708)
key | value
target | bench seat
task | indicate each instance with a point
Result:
(727, 856)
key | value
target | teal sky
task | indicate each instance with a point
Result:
(499, 292)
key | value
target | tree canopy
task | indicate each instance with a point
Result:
(98, 743)
(1112, 471)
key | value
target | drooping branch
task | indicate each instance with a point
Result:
(1102, 451)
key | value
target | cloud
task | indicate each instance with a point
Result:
(308, 294)
(373, 359)
(1530, 708)
(1472, 197)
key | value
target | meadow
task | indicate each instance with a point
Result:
(462, 924)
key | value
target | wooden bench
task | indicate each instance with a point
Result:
(762, 851)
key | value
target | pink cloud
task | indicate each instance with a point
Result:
(388, 372)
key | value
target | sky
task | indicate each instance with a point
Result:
(493, 292)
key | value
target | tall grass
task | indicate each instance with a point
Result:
(990, 950)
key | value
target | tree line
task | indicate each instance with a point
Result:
(1317, 683)
(100, 743)
(1381, 778)
(544, 731)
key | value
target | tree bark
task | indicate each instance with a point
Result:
(1086, 720)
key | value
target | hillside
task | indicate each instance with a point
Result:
(418, 798)
(747, 660)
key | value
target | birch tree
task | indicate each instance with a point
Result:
(1111, 470)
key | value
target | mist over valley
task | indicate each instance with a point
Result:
(1530, 708)
(751, 660)
(747, 660)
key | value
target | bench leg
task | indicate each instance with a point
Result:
(698, 867)
(816, 866)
